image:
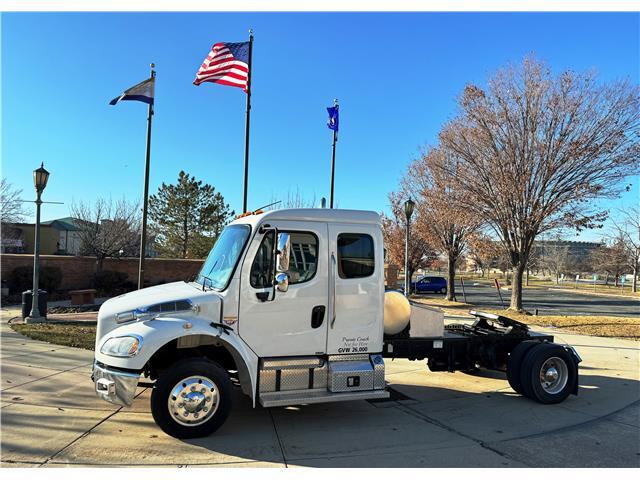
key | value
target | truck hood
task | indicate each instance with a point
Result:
(208, 301)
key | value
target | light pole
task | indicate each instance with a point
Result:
(408, 211)
(40, 178)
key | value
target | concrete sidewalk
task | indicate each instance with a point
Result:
(51, 417)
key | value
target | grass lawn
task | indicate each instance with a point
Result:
(602, 326)
(70, 334)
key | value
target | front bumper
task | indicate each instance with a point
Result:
(115, 386)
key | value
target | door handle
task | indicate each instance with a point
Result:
(333, 288)
(317, 316)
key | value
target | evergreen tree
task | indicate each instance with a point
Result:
(188, 217)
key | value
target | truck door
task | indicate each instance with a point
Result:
(292, 322)
(356, 289)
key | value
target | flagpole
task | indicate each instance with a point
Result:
(333, 158)
(246, 129)
(143, 239)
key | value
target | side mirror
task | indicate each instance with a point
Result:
(283, 253)
(282, 282)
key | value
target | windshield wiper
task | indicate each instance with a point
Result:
(204, 276)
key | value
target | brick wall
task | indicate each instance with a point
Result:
(78, 271)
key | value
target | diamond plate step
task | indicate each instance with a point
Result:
(283, 399)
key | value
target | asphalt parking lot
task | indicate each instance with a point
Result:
(50, 417)
(550, 301)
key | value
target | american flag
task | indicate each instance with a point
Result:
(227, 64)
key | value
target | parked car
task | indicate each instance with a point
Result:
(430, 285)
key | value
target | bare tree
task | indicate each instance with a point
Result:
(107, 228)
(629, 235)
(611, 258)
(421, 255)
(483, 251)
(12, 209)
(431, 181)
(294, 200)
(553, 256)
(535, 151)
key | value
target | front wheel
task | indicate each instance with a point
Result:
(191, 399)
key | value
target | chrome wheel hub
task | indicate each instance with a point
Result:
(551, 375)
(554, 374)
(193, 400)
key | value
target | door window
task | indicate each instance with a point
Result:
(355, 255)
(303, 262)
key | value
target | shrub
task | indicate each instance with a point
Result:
(21, 279)
(109, 280)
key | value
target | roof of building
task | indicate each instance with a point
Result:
(313, 215)
(66, 223)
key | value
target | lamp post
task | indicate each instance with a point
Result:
(40, 178)
(408, 211)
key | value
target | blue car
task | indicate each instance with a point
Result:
(430, 285)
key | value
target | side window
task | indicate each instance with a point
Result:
(304, 257)
(302, 264)
(355, 255)
(262, 266)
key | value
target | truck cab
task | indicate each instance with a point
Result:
(288, 306)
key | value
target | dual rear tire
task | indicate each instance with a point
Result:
(544, 372)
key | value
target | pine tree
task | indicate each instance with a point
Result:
(188, 217)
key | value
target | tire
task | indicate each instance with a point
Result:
(193, 379)
(514, 364)
(548, 374)
(443, 291)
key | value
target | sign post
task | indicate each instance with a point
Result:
(497, 284)
(464, 295)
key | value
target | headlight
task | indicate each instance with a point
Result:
(127, 346)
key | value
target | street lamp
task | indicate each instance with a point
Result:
(40, 178)
(409, 205)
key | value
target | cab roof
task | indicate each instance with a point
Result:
(330, 215)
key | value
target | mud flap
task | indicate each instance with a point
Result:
(576, 360)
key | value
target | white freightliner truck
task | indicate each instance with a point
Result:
(290, 306)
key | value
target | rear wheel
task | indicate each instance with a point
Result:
(192, 399)
(549, 373)
(514, 364)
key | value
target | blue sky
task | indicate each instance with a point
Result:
(397, 76)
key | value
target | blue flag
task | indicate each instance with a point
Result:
(142, 92)
(332, 123)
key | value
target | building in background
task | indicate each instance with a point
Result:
(68, 237)
(58, 237)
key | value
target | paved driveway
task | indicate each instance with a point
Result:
(51, 417)
(551, 301)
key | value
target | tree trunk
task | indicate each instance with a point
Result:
(451, 279)
(527, 282)
(634, 282)
(516, 288)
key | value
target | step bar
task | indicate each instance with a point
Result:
(300, 397)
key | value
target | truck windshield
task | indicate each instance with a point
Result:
(222, 259)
